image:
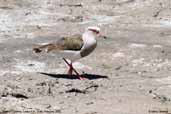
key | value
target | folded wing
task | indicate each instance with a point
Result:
(73, 43)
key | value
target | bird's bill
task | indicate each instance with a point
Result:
(99, 35)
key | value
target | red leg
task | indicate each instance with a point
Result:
(71, 69)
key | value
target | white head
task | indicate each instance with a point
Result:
(94, 30)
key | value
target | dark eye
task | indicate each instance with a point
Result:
(97, 32)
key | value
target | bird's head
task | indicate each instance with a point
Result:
(94, 30)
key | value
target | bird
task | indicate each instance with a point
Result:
(73, 48)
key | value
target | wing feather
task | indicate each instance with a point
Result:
(73, 43)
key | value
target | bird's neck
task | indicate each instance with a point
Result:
(89, 44)
(89, 37)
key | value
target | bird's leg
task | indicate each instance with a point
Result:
(71, 69)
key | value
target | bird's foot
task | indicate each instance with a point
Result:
(78, 75)
(81, 78)
(70, 72)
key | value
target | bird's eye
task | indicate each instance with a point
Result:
(97, 32)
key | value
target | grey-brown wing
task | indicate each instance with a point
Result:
(74, 43)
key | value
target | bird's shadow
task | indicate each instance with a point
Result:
(72, 77)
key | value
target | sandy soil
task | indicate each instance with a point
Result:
(128, 73)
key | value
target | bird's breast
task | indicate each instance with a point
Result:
(88, 49)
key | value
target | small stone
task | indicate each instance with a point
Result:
(150, 91)
(30, 64)
(89, 103)
(118, 68)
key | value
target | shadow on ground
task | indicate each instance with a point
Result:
(66, 76)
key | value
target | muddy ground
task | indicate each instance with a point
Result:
(128, 73)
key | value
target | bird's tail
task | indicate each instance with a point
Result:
(41, 48)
